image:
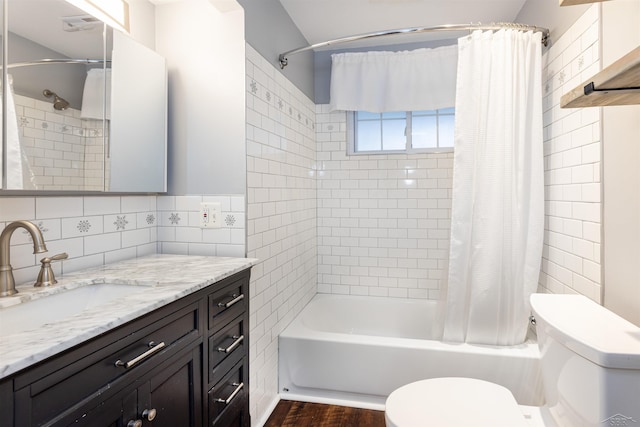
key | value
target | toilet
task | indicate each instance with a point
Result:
(590, 365)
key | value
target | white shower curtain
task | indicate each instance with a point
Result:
(497, 215)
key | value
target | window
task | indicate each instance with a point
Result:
(400, 132)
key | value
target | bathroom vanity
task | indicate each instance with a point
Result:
(174, 352)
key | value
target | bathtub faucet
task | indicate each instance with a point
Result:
(7, 282)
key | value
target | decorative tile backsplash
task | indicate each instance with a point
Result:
(96, 230)
(92, 230)
(571, 260)
(179, 231)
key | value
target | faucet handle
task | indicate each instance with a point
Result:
(46, 276)
(57, 257)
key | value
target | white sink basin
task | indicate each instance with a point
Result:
(35, 313)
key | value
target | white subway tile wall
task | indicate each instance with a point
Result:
(281, 228)
(571, 261)
(383, 220)
(96, 230)
(64, 152)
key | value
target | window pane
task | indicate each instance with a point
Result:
(445, 131)
(393, 134)
(424, 132)
(394, 115)
(424, 113)
(368, 136)
(384, 132)
(365, 115)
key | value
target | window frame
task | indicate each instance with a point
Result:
(409, 149)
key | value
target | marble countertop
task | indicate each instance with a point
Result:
(161, 278)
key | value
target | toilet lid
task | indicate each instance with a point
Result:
(453, 402)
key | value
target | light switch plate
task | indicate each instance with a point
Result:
(210, 215)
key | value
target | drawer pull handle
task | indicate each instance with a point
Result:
(238, 340)
(236, 298)
(235, 392)
(134, 423)
(131, 363)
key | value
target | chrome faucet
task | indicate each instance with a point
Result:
(7, 282)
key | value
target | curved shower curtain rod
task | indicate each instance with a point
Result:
(283, 57)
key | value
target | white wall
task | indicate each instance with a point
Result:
(205, 56)
(549, 14)
(571, 257)
(383, 220)
(621, 172)
(613, 277)
(142, 22)
(281, 228)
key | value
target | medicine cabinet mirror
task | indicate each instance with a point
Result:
(87, 105)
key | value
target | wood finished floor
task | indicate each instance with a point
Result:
(302, 414)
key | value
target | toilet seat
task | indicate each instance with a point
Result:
(453, 402)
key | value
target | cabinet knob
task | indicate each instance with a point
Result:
(134, 423)
(149, 414)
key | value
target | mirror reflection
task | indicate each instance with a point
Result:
(61, 130)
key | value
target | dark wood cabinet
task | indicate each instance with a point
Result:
(182, 365)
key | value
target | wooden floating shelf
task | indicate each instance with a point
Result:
(575, 2)
(618, 84)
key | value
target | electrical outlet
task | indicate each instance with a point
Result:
(210, 215)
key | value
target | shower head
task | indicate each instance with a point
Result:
(58, 103)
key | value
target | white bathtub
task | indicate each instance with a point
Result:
(356, 350)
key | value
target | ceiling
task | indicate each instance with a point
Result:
(322, 20)
(42, 22)
(318, 20)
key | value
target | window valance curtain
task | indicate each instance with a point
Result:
(379, 81)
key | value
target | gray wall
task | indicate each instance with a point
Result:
(270, 30)
(549, 14)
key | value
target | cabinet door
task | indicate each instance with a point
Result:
(117, 411)
(168, 396)
(172, 395)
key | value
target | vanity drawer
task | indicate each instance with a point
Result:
(129, 351)
(228, 303)
(228, 399)
(226, 348)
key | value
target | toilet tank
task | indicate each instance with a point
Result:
(590, 362)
